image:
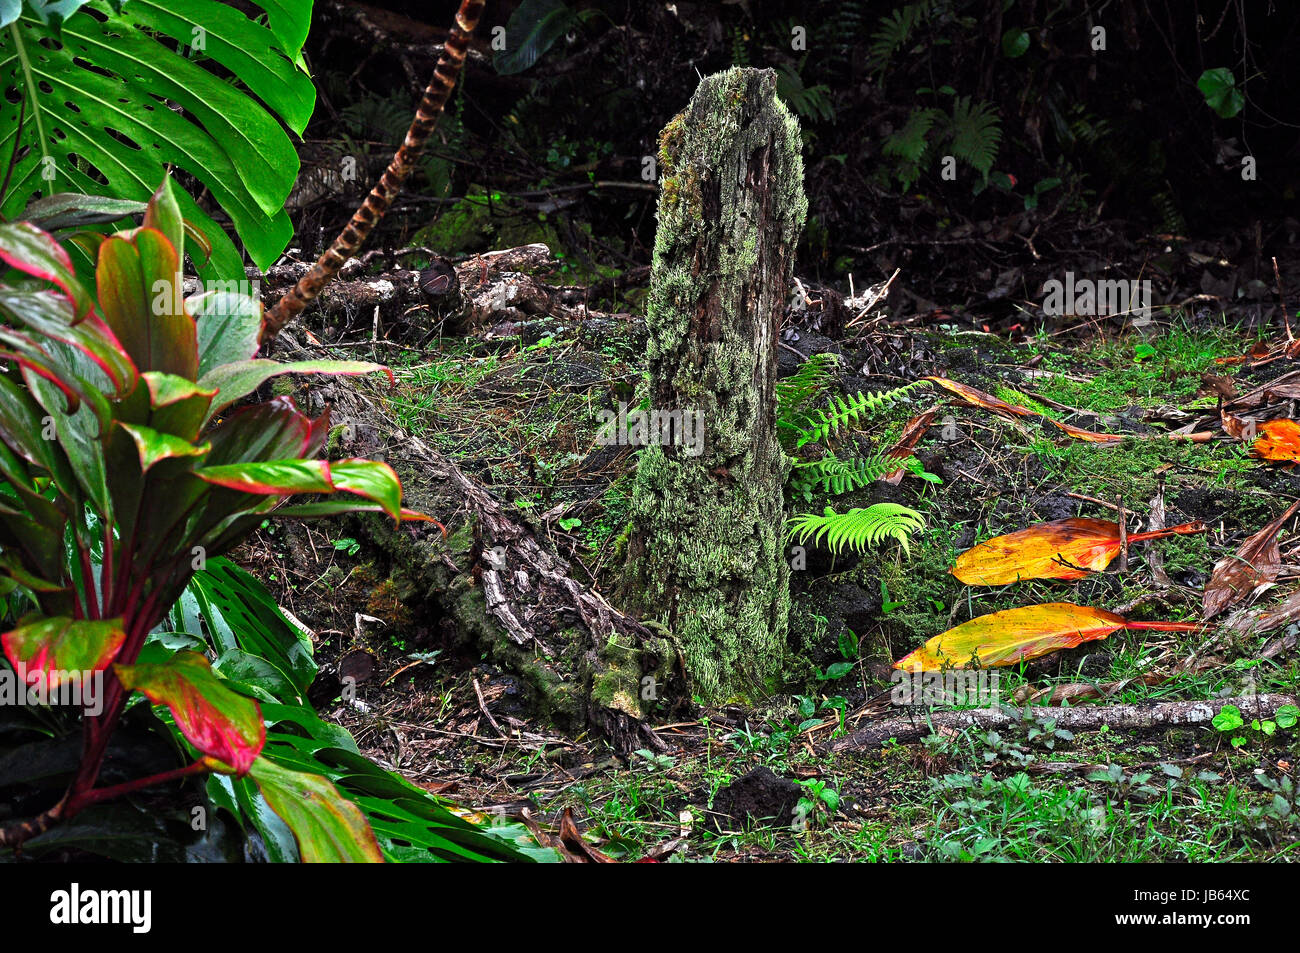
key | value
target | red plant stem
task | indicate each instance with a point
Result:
(1165, 626)
(99, 729)
(106, 566)
(1183, 530)
(94, 796)
(124, 578)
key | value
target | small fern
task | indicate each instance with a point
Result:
(844, 476)
(796, 392)
(976, 133)
(893, 31)
(811, 103)
(859, 529)
(909, 143)
(842, 413)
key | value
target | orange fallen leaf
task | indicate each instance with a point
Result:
(1012, 635)
(1277, 440)
(1062, 549)
(981, 399)
(1080, 434)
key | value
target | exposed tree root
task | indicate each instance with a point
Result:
(497, 588)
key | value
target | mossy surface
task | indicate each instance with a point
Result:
(707, 553)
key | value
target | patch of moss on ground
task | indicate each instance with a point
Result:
(1186, 554)
(1126, 373)
(1012, 396)
(1128, 470)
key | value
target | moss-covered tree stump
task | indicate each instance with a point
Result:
(706, 552)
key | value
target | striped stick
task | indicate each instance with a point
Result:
(390, 183)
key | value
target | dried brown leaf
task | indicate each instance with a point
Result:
(1255, 562)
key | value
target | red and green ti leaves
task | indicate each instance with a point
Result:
(125, 463)
(218, 722)
(49, 651)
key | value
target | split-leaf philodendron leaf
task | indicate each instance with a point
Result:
(86, 68)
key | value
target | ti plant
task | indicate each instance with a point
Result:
(126, 465)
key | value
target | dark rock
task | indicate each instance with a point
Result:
(759, 797)
(358, 665)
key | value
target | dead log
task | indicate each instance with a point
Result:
(497, 588)
(1084, 718)
(491, 294)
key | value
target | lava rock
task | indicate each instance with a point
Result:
(760, 796)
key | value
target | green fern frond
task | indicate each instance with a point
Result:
(976, 133)
(812, 103)
(386, 118)
(893, 31)
(858, 529)
(1171, 219)
(838, 476)
(842, 413)
(794, 393)
(909, 143)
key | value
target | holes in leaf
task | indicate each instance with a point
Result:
(124, 139)
(90, 67)
(87, 169)
(45, 88)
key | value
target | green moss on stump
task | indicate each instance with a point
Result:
(707, 552)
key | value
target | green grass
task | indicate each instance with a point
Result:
(1017, 819)
(982, 808)
(426, 390)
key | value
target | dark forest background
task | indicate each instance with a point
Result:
(1059, 149)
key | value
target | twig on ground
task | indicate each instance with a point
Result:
(1088, 718)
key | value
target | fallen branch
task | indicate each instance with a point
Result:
(920, 725)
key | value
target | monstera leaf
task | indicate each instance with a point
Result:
(532, 30)
(105, 99)
(328, 827)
